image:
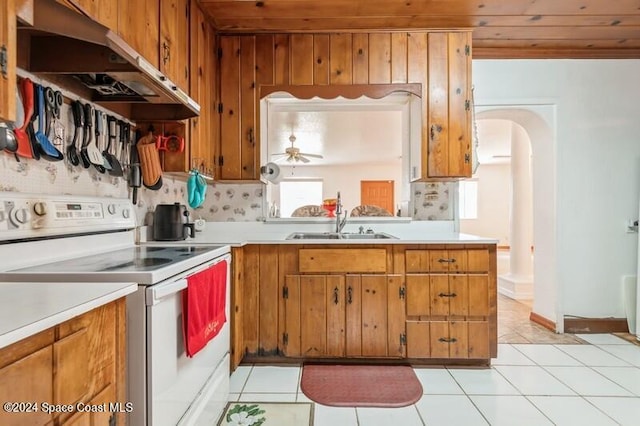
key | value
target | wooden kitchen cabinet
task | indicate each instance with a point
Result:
(8, 60)
(337, 315)
(203, 132)
(139, 26)
(439, 61)
(382, 301)
(448, 116)
(82, 359)
(449, 303)
(174, 41)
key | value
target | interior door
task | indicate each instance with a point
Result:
(377, 193)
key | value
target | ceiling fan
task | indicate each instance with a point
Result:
(293, 154)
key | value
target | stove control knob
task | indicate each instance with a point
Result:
(20, 216)
(126, 213)
(111, 208)
(40, 208)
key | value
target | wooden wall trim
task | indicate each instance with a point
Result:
(540, 320)
(349, 91)
(595, 325)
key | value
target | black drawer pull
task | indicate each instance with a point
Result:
(335, 295)
(349, 295)
(442, 260)
(447, 295)
(446, 340)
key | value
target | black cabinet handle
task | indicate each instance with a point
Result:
(349, 295)
(447, 295)
(447, 340)
(442, 260)
(335, 295)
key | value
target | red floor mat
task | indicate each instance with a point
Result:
(361, 385)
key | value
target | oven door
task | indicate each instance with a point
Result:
(178, 387)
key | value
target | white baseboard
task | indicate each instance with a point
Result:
(516, 287)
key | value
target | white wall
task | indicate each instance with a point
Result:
(493, 203)
(346, 179)
(593, 156)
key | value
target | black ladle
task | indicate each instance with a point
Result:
(78, 121)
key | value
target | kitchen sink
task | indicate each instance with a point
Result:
(335, 236)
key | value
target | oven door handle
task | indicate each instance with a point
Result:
(155, 293)
(158, 292)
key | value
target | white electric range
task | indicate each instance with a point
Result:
(45, 238)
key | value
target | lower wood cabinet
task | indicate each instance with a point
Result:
(80, 360)
(343, 315)
(364, 301)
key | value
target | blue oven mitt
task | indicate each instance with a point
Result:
(196, 189)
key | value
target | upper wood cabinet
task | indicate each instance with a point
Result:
(439, 61)
(203, 132)
(448, 114)
(139, 25)
(7, 60)
(105, 12)
(174, 41)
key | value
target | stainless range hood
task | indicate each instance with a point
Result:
(68, 43)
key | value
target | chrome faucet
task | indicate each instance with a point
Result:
(340, 224)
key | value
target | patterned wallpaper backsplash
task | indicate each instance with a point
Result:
(224, 202)
(433, 200)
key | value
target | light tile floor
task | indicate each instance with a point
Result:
(539, 378)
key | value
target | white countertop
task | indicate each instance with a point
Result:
(29, 308)
(241, 233)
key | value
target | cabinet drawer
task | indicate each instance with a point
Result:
(27, 380)
(342, 260)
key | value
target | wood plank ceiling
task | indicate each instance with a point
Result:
(501, 28)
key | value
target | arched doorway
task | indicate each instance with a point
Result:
(538, 121)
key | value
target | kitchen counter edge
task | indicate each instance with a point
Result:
(29, 308)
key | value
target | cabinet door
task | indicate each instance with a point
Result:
(448, 117)
(202, 90)
(139, 25)
(7, 60)
(28, 380)
(174, 41)
(374, 315)
(313, 315)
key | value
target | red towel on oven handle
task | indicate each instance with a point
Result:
(203, 307)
